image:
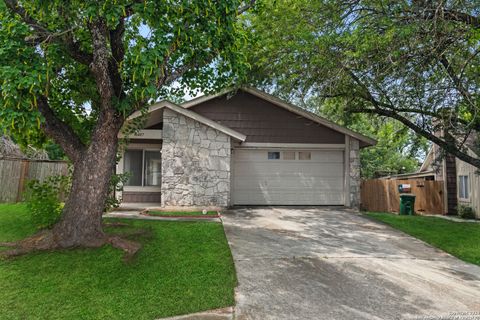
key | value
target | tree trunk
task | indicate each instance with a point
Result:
(81, 221)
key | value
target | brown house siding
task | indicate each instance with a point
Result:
(451, 179)
(145, 197)
(262, 121)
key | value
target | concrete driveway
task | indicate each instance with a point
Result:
(328, 263)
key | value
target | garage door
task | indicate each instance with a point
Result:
(288, 177)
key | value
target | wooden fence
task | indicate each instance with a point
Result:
(14, 174)
(383, 196)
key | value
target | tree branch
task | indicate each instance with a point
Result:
(458, 84)
(60, 131)
(100, 64)
(448, 147)
(118, 55)
(461, 17)
(42, 34)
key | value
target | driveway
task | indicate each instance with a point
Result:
(328, 263)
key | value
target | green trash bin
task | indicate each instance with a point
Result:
(407, 204)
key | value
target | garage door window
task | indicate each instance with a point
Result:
(275, 155)
(304, 155)
(289, 155)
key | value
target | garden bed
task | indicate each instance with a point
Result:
(182, 214)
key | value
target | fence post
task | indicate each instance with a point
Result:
(23, 176)
(386, 187)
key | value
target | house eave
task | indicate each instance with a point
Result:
(193, 115)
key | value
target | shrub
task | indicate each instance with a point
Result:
(116, 184)
(466, 212)
(44, 200)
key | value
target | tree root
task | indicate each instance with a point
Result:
(40, 241)
(9, 244)
(130, 248)
(45, 240)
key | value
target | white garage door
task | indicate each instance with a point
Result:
(288, 177)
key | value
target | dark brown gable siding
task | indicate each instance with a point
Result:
(262, 121)
(451, 177)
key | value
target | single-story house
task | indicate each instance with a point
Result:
(242, 147)
(461, 180)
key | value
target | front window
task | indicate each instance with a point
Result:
(144, 167)
(463, 190)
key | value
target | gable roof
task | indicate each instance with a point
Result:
(192, 115)
(288, 106)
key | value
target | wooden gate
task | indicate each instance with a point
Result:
(383, 196)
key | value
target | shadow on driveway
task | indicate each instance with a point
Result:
(331, 263)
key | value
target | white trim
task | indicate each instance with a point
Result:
(147, 146)
(346, 172)
(141, 189)
(143, 148)
(144, 134)
(445, 187)
(290, 107)
(312, 146)
(467, 185)
(232, 176)
(427, 160)
(193, 115)
(204, 98)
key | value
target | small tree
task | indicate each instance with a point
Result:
(78, 69)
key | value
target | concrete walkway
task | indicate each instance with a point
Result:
(327, 263)
(132, 214)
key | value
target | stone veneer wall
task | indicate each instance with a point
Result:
(195, 163)
(354, 173)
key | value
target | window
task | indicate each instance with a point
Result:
(144, 167)
(463, 191)
(304, 155)
(289, 155)
(274, 155)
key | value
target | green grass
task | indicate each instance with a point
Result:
(461, 239)
(181, 213)
(183, 267)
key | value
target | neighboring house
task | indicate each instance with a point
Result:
(241, 148)
(8, 149)
(461, 180)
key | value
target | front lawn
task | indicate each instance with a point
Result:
(183, 267)
(461, 239)
(181, 213)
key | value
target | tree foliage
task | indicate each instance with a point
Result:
(412, 61)
(78, 69)
(48, 50)
(398, 149)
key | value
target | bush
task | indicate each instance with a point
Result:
(44, 200)
(465, 212)
(116, 184)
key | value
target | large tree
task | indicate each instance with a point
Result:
(413, 61)
(77, 69)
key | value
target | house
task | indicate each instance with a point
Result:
(461, 180)
(241, 147)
